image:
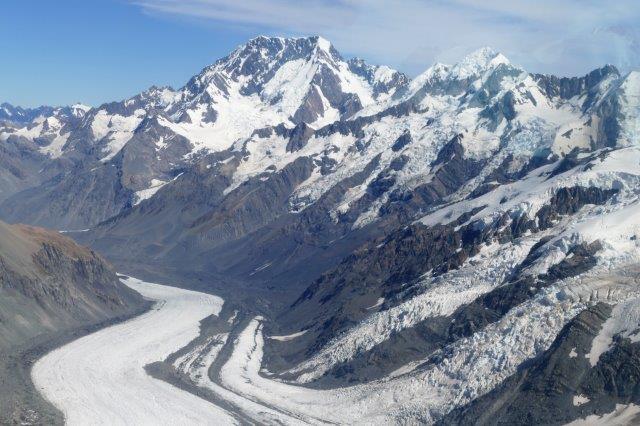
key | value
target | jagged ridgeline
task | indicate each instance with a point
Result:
(449, 246)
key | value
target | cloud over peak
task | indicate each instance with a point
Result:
(568, 37)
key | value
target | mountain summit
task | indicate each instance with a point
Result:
(455, 249)
(293, 88)
(478, 62)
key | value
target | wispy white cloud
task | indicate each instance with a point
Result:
(288, 15)
(559, 36)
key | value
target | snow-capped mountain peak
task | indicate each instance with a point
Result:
(263, 55)
(437, 71)
(481, 190)
(79, 109)
(285, 80)
(273, 93)
(478, 62)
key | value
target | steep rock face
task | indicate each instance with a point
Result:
(266, 82)
(562, 384)
(389, 270)
(62, 283)
(569, 87)
(450, 235)
(19, 166)
(546, 388)
(276, 100)
(458, 132)
(80, 197)
(48, 286)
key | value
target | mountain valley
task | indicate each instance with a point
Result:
(456, 248)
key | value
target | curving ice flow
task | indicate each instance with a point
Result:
(100, 378)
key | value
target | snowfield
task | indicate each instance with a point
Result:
(100, 378)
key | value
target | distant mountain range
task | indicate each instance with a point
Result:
(468, 234)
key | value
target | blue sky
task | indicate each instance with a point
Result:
(94, 51)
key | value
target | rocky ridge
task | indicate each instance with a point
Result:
(439, 239)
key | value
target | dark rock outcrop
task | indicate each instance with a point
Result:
(388, 267)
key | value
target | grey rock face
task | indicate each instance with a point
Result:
(300, 135)
(609, 125)
(386, 268)
(72, 201)
(141, 161)
(253, 206)
(543, 390)
(55, 275)
(396, 82)
(49, 286)
(314, 221)
(153, 152)
(311, 108)
(19, 115)
(566, 88)
(402, 141)
(20, 163)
